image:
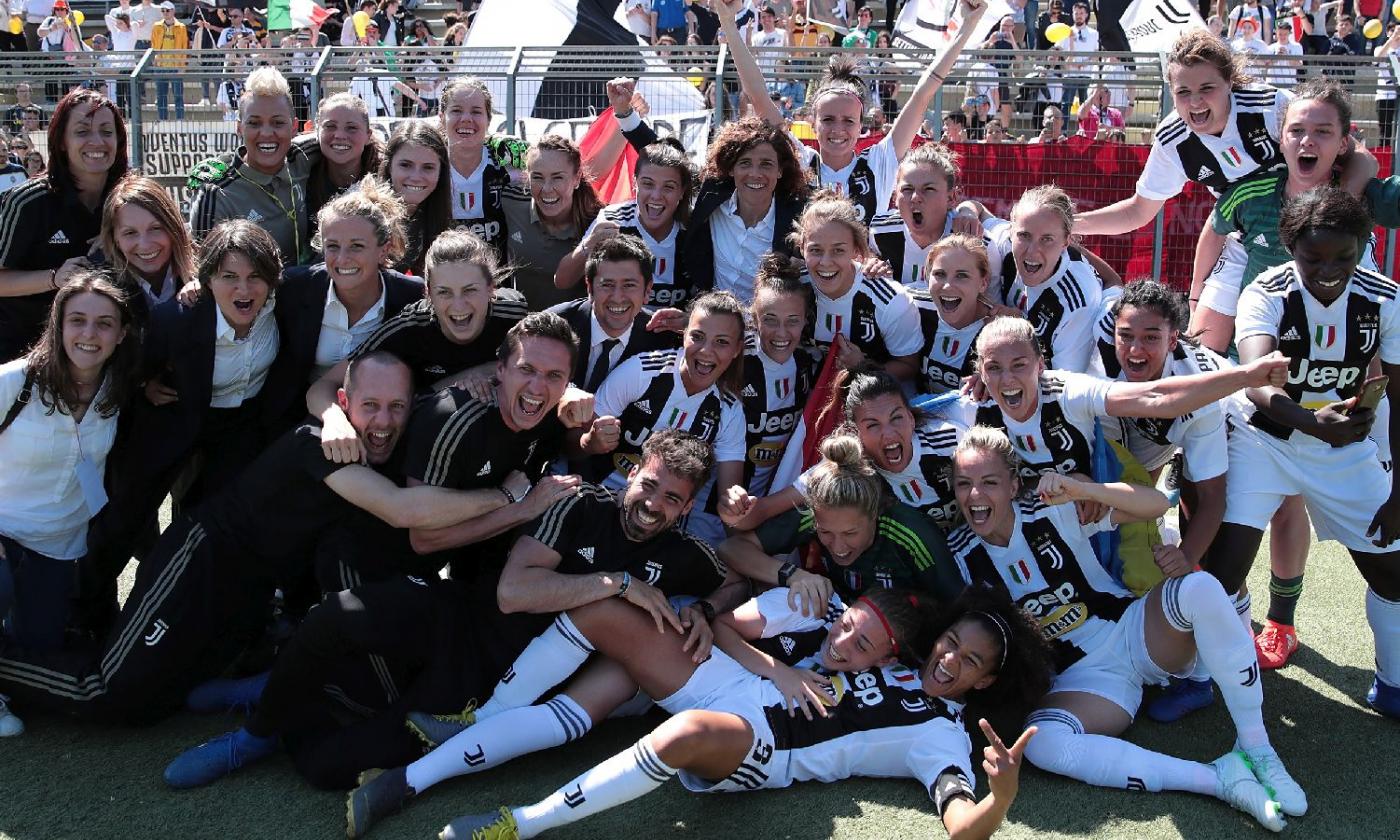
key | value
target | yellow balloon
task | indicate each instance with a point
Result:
(79, 17)
(1395, 10)
(362, 20)
(1372, 29)
(1057, 32)
(17, 25)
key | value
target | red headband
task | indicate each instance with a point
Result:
(884, 622)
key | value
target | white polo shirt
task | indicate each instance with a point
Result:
(738, 248)
(240, 365)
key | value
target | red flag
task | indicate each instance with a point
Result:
(609, 160)
(819, 425)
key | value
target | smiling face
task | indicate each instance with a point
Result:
(830, 250)
(845, 532)
(922, 195)
(780, 319)
(1201, 97)
(461, 296)
(957, 283)
(378, 407)
(654, 500)
(414, 173)
(353, 254)
(1038, 238)
(90, 141)
(659, 193)
(144, 242)
(92, 329)
(1142, 340)
(886, 428)
(712, 342)
(1011, 371)
(963, 659)
(1326, 260)
(986, 491)
(465, 119)
(618, 293)
(553, 179)
(532, 381)
(239, 291)
(1313, 137)
(857, 641)
(266, 126)
(756, 175)
(342, 134)
(838, 127)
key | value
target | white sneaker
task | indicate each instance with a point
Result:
(1238, 787)
(9, 724)
(1268, 769)
(203, 103)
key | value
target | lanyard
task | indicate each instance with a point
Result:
(290, 214)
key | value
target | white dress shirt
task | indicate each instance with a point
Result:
(599, 336)
(738, 248)
(339, 338)
(41, 500)
(240, 365)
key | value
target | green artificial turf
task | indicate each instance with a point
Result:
(63, 780)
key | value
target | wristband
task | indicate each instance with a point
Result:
(510, 497)
(707, 609)
(626, 582)
(785, 573)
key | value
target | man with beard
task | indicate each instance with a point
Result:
(200, 596)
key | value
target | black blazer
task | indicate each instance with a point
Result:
(578, 314)
(301, 302)
(697, 248)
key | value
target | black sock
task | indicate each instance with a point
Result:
(1283, 598)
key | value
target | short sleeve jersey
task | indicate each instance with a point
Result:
(476, 196)
(947, 354)
(1050, 570)
(868, 180)
(790, 636)
(908, 552)
(877, 315)
(1248, 145)
(415, 337)
(773, 397)
(1059, 434)
(1152, 441)
(462, 443)
(1329, 346)
(1062, 309)
(889, 237)
(647, 395)
(585, 530)
(669, 285)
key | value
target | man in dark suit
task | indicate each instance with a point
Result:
(611, 322)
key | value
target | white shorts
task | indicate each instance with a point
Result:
(1120, 667)
(1221, 292)
(722, 685)
(1343, 488)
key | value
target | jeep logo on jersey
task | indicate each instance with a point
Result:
(1323, 376)
(866, 688)
(768, 424)
(940, 375)
(488, 230)
(1063, 595)
(667, 295)
(765, 454)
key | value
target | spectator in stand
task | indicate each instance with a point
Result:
(1309, 25)
(1052, 126)
(984, 86)
(862, 36)
(206, 25)
(170, 35)
(14, 115)
(769, 35)
(802, 30)
(1385, 90)
(1346, 40)
(1284, 72)
(123, 40)
(1216, 26)
(996, 132)
(668, 18)
(702, 21)
(143, 19)
(56, 35)
(1044, 22)
(11, 41)
(1083, 38)
(638, 16)
(1097, 117)
(1246, 40)
(1251, 10)
(455, 36)
(34, 165)
(389, 18)
(954, 127)
(977, 110)
(237, 25)
(1004, 38)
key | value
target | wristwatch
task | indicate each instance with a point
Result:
(786, 572)
(707, 609)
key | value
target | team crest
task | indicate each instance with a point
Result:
(677, 418)
(782, 387)
(951, 345)
(1324, 336)
(1232, 157)
(912, 491)
(833, 324)
(1026, 443)
(1020, 572)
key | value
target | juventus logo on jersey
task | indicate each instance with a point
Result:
(867, 329)
(574, 798)
(1250, 674)
(707, 428)
(157, 633)
(1370, 331)
(1062, 436)
(1047, 549)
(472, 759)
(653, 569)
(884, 578)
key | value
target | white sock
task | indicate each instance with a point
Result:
(1061, 746)
(509, 735)
(547, 661)
(622, 778)
(1384, 618)
(1197, 604)
(1242, 602)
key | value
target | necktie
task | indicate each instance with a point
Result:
(600, 367)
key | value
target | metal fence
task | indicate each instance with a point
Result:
(181, 106)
